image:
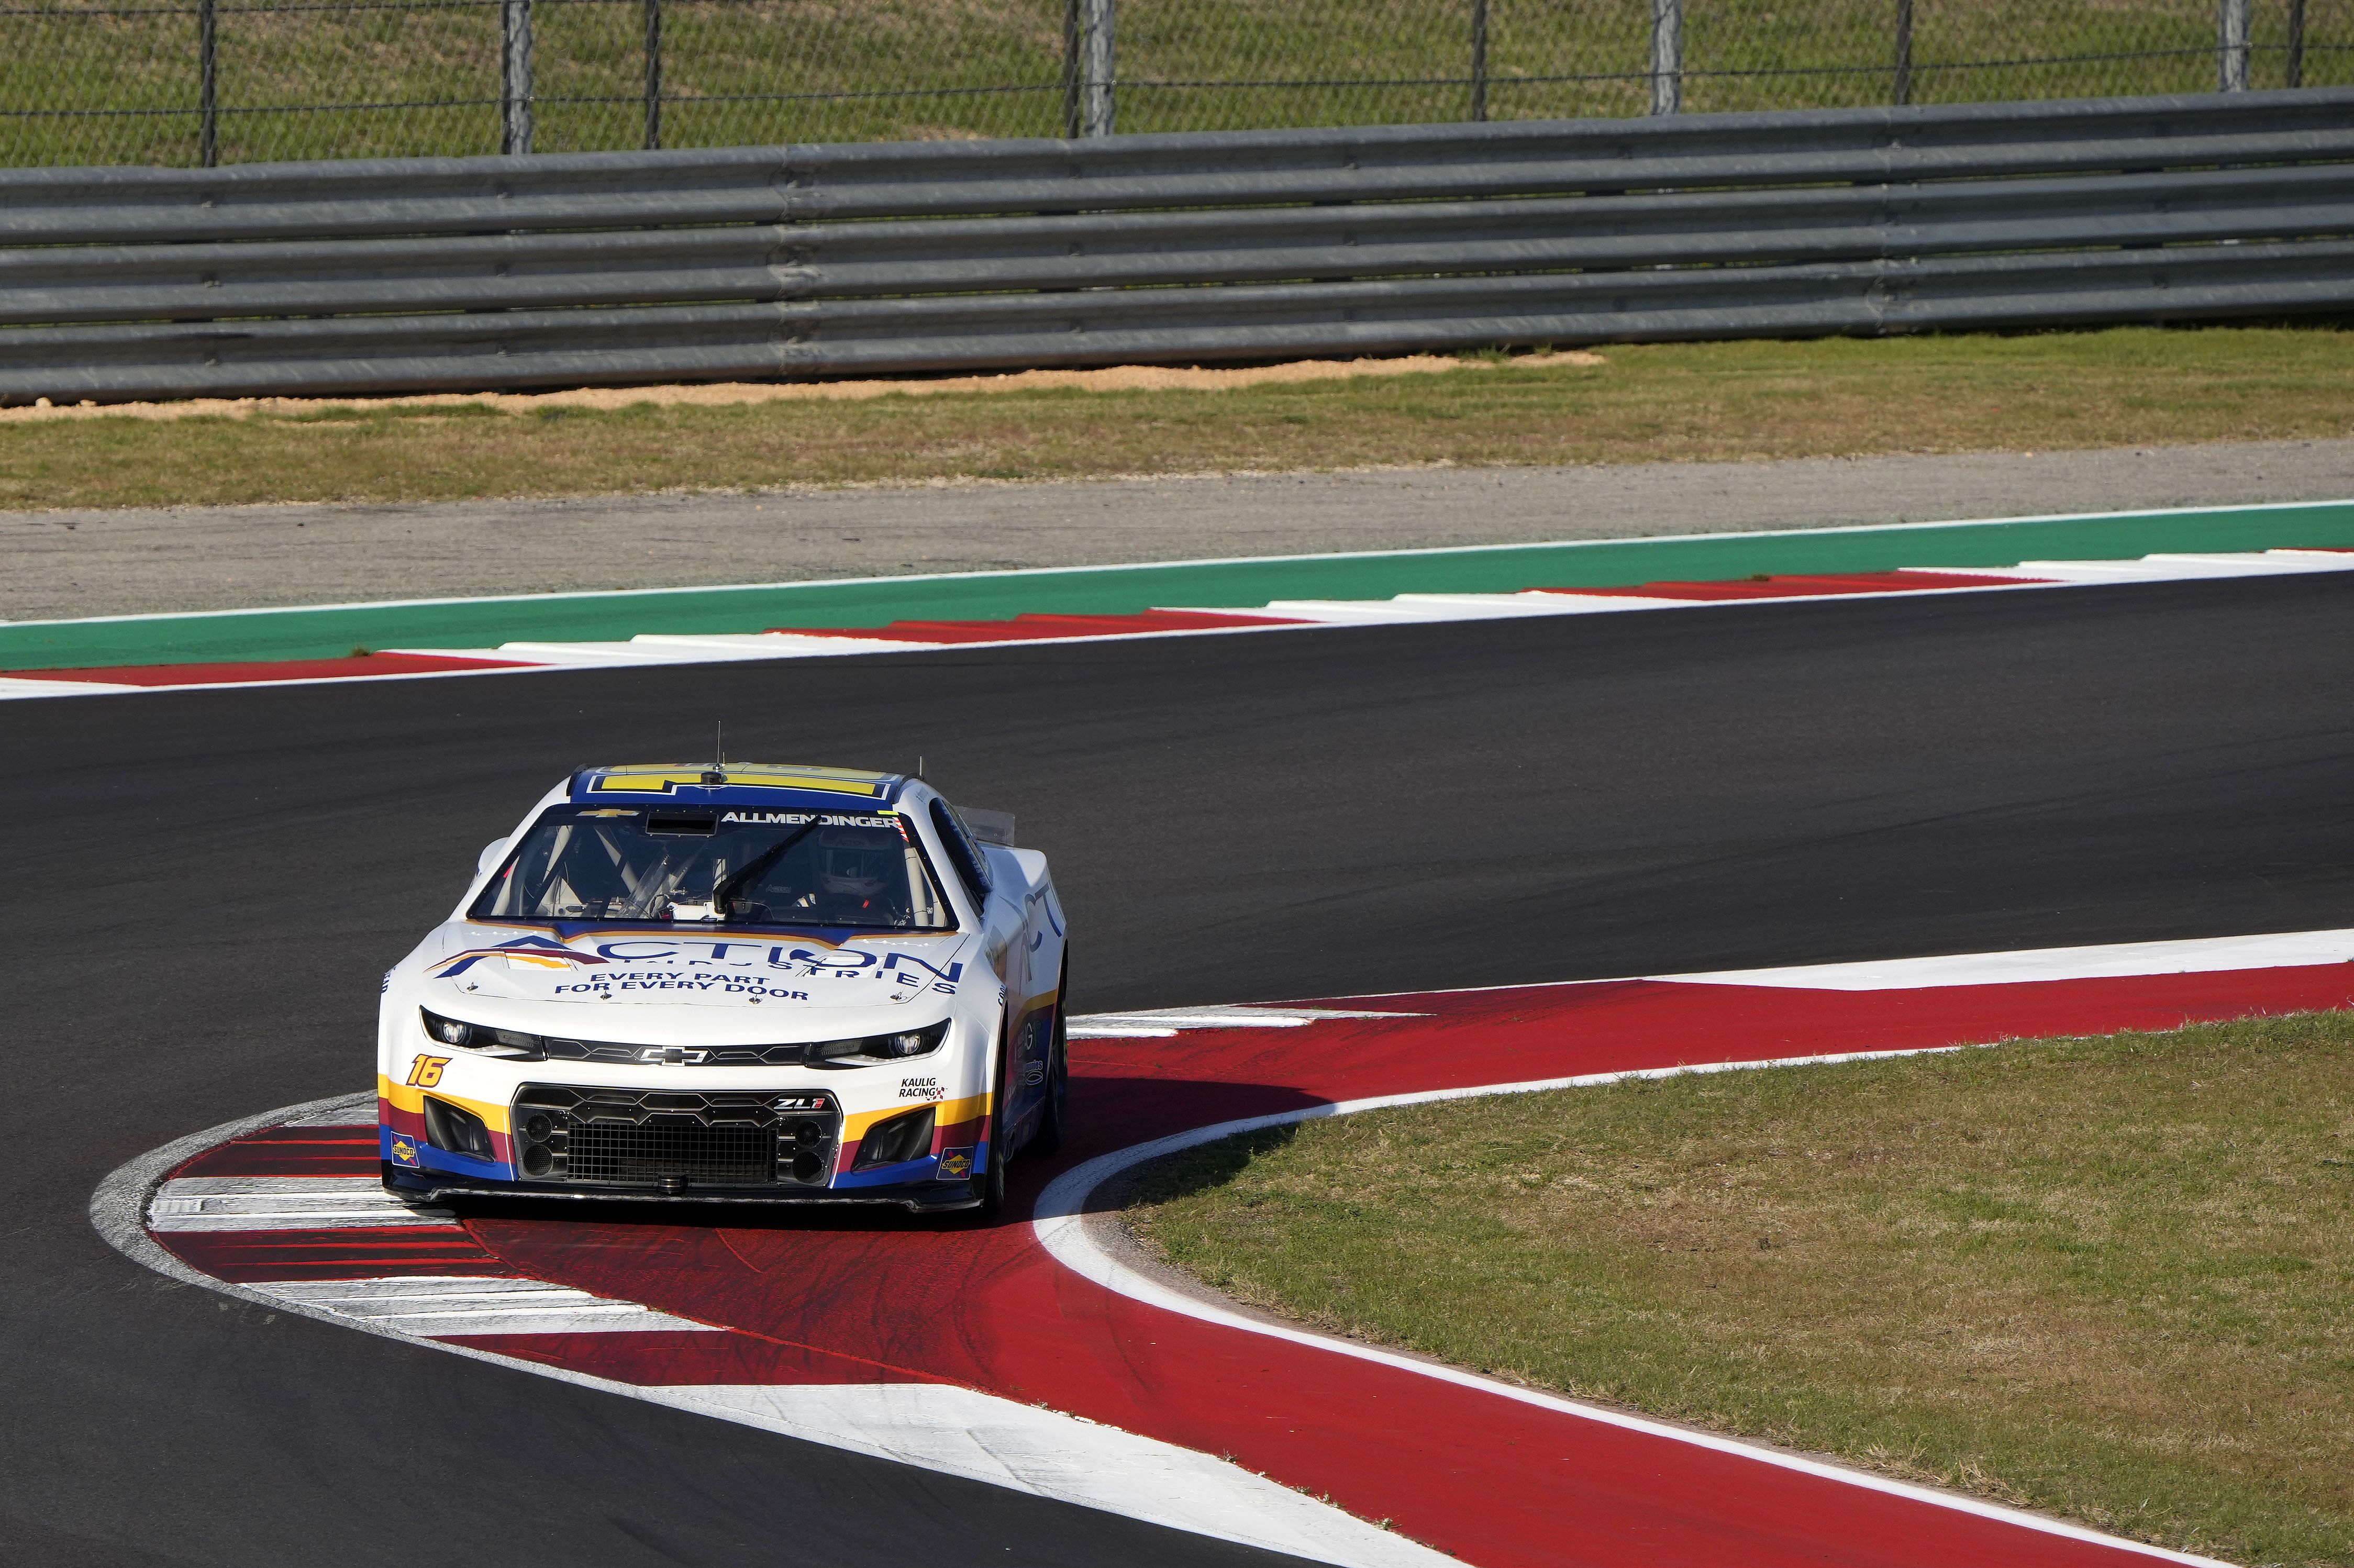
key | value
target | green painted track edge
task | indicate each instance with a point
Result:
(334, 631)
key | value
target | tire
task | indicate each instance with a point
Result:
(989, 1184)
(1053, 1125)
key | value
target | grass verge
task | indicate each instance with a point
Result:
(1644, 403)
(2106, 1278)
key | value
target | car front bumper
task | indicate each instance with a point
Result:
(782, 1141)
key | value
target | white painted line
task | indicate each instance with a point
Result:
(282, 1203)
(434, 1306)
(1524, 602)
(2195, 955)
(592, 654)
(2021, 576)
(1344, 611)
(1455, 606)
(2204, 954)
(1170, 1021)
(357, 1294)
(323, 1188)
(10, 687)
(1061, 1229)
(767, 644)
(2140, 571)
(960, 1432)
(2256, 563)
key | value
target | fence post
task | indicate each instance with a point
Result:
(1096, 95)
(1074, 35)
(1478, 59)
(2293, 68)
(654, 75)
(1667, 57)
(2232, 46)
(1903, 51)
(207, 89)
(514, 76)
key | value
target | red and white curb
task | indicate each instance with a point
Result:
(1041, 1357)
(934, 1425)
(1278, 615)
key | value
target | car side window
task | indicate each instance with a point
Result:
(965, 855)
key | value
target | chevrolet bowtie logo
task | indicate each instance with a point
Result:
(673, 1056)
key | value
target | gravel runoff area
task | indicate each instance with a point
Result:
(67, 563)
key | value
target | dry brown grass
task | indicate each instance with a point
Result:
(2106, 1277)
(1733, 401)
(729, 394)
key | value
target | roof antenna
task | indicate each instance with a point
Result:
(919, 765)
(716, 774)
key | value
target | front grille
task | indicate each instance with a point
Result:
(705, 1156)
(673, 1141)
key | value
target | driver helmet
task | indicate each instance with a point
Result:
(853, 866)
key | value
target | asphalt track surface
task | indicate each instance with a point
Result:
(209, 883)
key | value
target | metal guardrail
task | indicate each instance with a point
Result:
(478, 273)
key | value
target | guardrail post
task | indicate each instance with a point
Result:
(1478, 59)
(2232, 46)
(1096, 73)
(207, 89)
(515, 76)
(1904, 93)
(654, 75)
(1667, 57)
(2293, 68)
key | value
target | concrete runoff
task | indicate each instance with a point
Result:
(135, 561)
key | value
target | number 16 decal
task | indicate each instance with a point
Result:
(426, 1071)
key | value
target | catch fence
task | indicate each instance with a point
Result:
(206, 82)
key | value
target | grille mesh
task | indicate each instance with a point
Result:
(674, 1138)
(708, 1156)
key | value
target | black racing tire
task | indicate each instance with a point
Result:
(1053, 1125)
(988, 1183)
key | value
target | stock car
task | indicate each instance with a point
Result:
(732, 982)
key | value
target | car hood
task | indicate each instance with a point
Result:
(762, 974)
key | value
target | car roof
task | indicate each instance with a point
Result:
(735, 784)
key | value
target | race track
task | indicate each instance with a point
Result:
(215, 878)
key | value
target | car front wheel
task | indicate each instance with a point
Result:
(989, 1182)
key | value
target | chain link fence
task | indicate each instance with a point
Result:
(217, 81)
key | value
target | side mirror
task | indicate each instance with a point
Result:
(492, 853)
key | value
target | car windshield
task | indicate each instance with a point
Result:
(727, 867)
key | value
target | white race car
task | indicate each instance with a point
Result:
(732, 982)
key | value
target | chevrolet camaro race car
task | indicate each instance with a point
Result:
(732, 982)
